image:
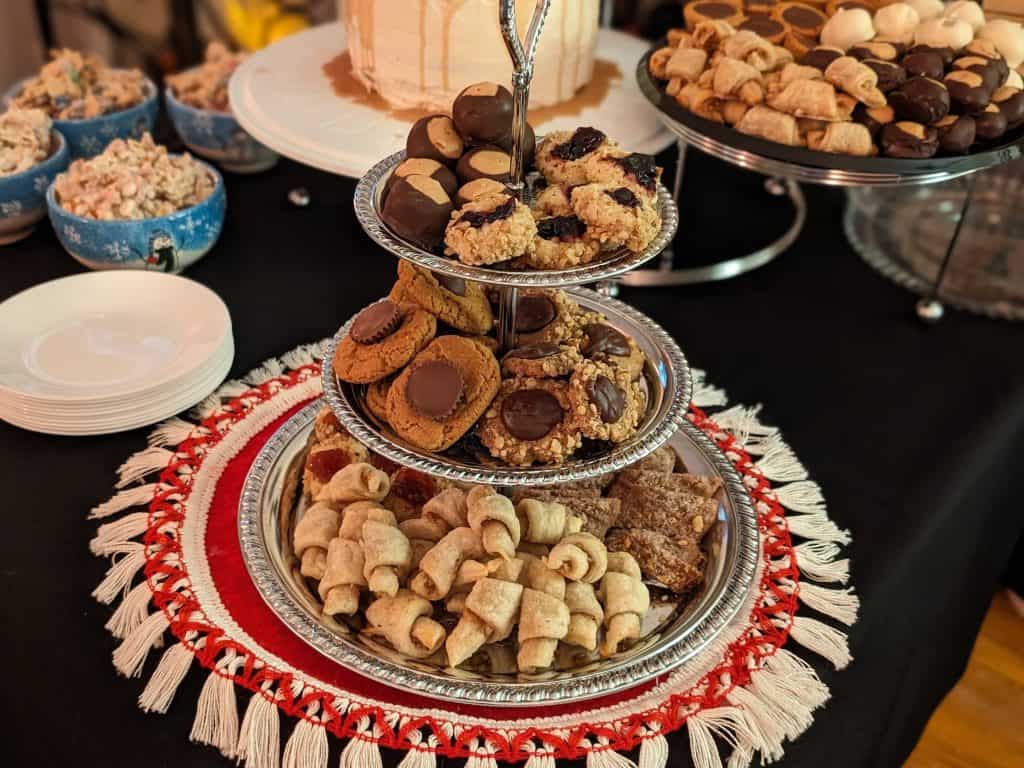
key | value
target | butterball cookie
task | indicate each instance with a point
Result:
(491, 229)
(605, 344)
(443, 392)
(562, 156)
(546, 316)
(382, 339)
(541, 361)
(530, 421)
(616, 216)
(561, 243)
(452, 300)
(605, 402)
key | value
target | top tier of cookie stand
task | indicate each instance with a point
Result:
(370, 191)
(805, 165)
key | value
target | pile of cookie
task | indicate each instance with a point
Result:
(451, 190)
(873, 97)
(446, 572)
(427, 358)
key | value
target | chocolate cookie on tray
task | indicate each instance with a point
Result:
(382, 339)
(461, 304)
(531, 421)
(442, 392)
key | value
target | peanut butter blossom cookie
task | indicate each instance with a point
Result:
(442, 392)
(382, 339)
(462, 305)
(531, 421)
(542, 360)
(606, 403)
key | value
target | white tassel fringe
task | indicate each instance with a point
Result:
(116, 536)
(121, 573)
(307, 747)
(137, 496)
(841, 604)
(145, 462)
(131, 612)
(163, 683)
(653, 752)
(131, 654)
(817, 561)
(216, 720)
(259, 739)
(822, 639)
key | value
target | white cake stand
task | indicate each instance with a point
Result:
(282, 97)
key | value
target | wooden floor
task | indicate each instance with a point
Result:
(980, 724)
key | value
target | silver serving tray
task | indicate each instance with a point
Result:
(669, 386)
(674, 632)
(369, 203)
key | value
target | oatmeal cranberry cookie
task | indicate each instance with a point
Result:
(605, 344)
(636, 172)
(443, 392)
(562, 156)
(552, 201)
(530, 421)
(561, 243)
(461, 304)
(382, 339)
(605, 402)
(491, 229)
(616, 216)
(544, 360)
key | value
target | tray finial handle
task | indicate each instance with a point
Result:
(522, 66)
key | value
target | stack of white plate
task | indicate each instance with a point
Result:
(105, 352)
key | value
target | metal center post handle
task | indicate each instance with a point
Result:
(522, 76)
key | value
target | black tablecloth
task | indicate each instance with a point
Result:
(914, 433)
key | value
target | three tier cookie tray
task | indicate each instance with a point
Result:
(674, 630)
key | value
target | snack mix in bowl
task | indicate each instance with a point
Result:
(31, 155)
(136, 205)
(197, 102)
(89, 102)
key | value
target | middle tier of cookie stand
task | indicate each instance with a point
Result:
(669, 382)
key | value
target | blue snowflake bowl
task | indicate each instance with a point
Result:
(90, 136)
(218, 137)
(23, 195)
(164, 244)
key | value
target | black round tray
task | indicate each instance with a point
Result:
(810, 165)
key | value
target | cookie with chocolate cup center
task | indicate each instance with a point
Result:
(491, 229)
(443, 392)
(956, 134)
(562, 155)
(460, 303)
(909, 140)
(800, 17)
(482, 113)
(616, 216)
(990, 123)
(603, 343)
(967, 92)
(420, 166)
(543, 360)
(890, 74)
(530, 421)
(547, 316)
(920, 100)
(712, 10)
(418, 209)
(772, 30)
(606, 401)
(382, 339)
(435, 137)
(474, 190)
(487, 162)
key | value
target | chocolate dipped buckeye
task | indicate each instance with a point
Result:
(820, 57)
(924, 64)
(909, 140)
(435, 137)
(990, 123)
(434, 389)
(874, 119)
(483, 113)
(420, 166)
(946, 54)
(967, 92)
(1011, 103)
(486, 162)
(956, 134)
(473, 190)
(418, 209)
(529, 145)
(920, 100)
(874, 49)
(530, 414)
(890, 75)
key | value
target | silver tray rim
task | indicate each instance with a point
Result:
(676, 397)
(735, 585)
(367, 207)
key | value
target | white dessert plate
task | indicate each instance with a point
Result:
(100, 337)
(282, 97)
